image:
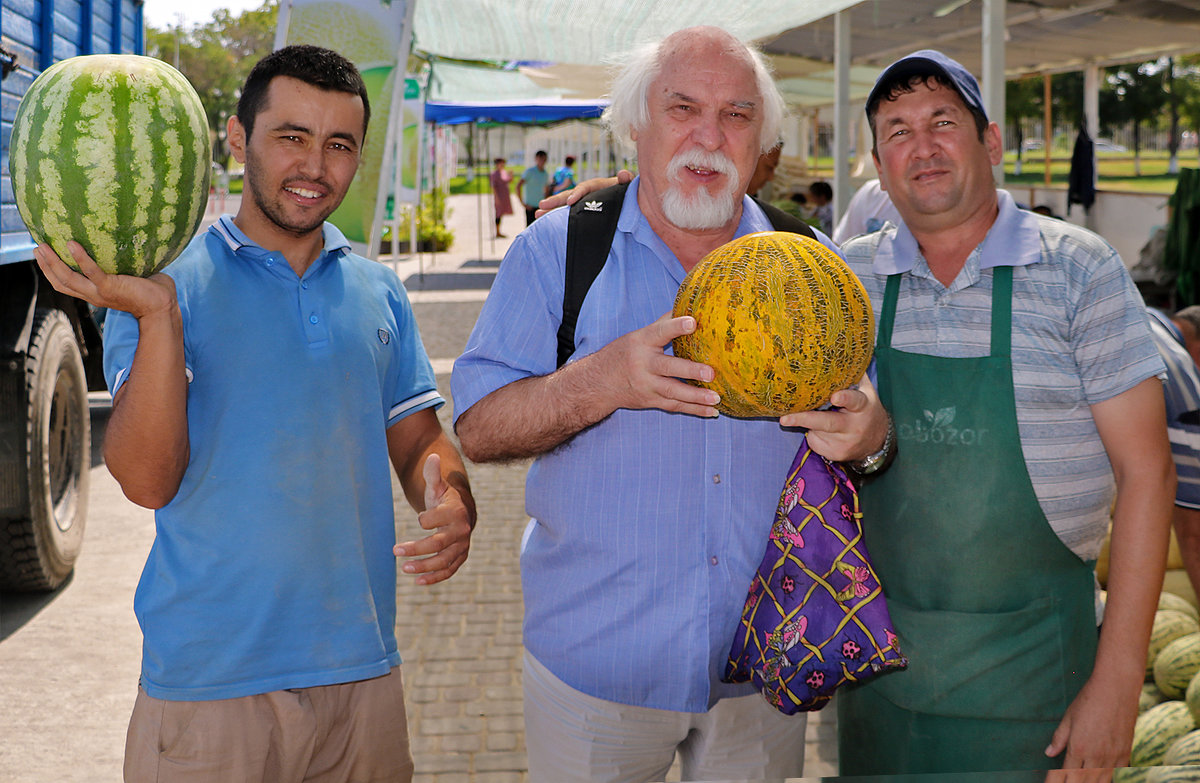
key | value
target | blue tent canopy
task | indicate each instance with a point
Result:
(513, 112)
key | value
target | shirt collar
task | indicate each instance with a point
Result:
(1165, 321)
(237, 240)
(1013, 240)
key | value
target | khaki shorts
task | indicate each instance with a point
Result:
(356, 731)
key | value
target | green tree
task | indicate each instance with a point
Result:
(1135, 96)
(216, 57)
(1186, 89)
(1067, 91)
(1023, 99)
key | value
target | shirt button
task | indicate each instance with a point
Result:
(716, 478)
(714, 559)
(312, 319)
(270, 262)
(304, 286)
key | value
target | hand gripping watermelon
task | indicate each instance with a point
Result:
(782, 321)
(113, 152)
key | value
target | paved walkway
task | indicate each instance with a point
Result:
(461, 640)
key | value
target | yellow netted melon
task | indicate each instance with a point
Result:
(782, 321)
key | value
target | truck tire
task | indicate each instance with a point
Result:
(39, 552)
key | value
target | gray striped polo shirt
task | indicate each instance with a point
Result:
(1080, 336)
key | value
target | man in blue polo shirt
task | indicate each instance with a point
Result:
(533, 185)
(260, 386)
(650, 510)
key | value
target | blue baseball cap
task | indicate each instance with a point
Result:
(928, 62)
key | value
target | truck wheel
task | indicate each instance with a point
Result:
(38, 553)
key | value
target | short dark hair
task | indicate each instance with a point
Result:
(893, 88)
(1191, 315)
(821, 188)
(323, 68)
(570, 159)
(540, 154)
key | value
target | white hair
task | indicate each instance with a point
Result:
(629, 109)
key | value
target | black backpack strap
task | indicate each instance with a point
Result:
(782, 221)
(591, 227)
(590, 230)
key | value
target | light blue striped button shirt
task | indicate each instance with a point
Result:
(1181, 391)
(1080, 337)
(650, 525)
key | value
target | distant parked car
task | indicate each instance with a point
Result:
(1029, 145)
(1104, 145)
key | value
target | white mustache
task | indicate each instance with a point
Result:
(701, 159)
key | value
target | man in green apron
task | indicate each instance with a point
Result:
(1015, 360)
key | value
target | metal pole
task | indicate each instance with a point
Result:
(841, 113)
(1047, 126)
(994, 24)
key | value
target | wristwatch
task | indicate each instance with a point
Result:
(874, 462)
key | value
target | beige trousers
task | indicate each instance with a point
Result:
(575, 738)
(354, 732)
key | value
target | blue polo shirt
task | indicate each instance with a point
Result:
(649, 526)
(272, 567)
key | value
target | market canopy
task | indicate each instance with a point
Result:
(512, 112)
(1041, 36)
(566, 31)
(459, 93)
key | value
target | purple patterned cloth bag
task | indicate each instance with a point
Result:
(815, 617)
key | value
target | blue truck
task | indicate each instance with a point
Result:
(50, 350)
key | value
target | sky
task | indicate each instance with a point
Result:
(167, 13)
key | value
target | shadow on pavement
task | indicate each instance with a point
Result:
(450, 281)
(18, 608)
(100, 410)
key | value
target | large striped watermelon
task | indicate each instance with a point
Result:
(1184, 751)
(113, 152)
(1191, 697)
(1177, 603)
(782, 321)
(1169, 625)
(1176, 665)
(1151, 695)
(1176, 773)
(1156, 730)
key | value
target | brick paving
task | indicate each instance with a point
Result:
(461, 640)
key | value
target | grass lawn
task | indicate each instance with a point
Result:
(481, 183)
(1116, 170)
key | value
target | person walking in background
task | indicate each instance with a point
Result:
(1015, 358)
(533, 184)
(564, 177)
(649, 509)
(820, 197)
(261, 384)
(501, 194)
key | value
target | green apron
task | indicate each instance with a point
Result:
(995, 614)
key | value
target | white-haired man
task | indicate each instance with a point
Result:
(650, 510)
